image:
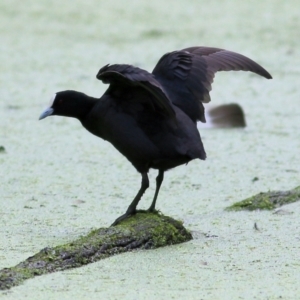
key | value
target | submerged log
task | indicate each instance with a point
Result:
(224, 116)
(267, 201)
(142, 231)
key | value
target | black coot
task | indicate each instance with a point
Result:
(151, 117)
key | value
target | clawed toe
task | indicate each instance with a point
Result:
(152, 210)
(121, 218)
(127, 215)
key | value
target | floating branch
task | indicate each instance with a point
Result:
(142, 231)
(269, 200)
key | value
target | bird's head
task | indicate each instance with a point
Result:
(67, 103)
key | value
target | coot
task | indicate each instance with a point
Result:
(151, 117)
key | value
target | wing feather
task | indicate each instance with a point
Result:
(120, 76)
(187, 75)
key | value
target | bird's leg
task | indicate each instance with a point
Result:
(159, 180)
(131, 210)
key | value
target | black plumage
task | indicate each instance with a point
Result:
(151, 117)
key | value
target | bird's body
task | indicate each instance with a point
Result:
(151, 117)
(146, 140)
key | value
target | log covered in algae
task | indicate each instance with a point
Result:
(142, 231)
(267, 201)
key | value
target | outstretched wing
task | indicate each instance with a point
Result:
(121, 77)
(187, 75)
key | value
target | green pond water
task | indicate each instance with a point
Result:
(58, 181)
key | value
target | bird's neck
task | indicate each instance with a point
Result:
(85, 109)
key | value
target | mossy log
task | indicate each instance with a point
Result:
(142, 231)
(268, 200)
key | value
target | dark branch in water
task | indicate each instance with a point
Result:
(142, 231)
(269, 200)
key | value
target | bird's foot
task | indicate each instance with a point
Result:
(123, 217)
(152, 210)
(130, 214)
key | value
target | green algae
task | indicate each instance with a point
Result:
(142, 231)
(267, 201)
